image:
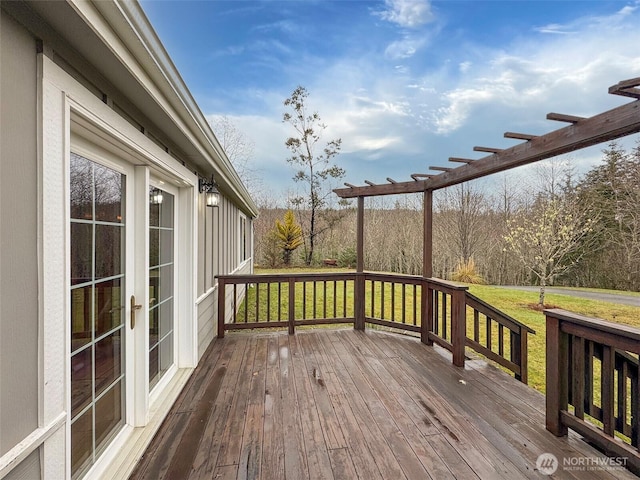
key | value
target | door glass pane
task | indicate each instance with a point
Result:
(161, 283)
(109, 186)
(108, 248)
(97, 330)
(81, 317)
(109, 305)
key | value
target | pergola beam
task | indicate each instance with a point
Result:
(519, 136)
(561, 117)
(582, 133)
(461, 160)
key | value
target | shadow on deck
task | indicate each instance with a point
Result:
(342, 404)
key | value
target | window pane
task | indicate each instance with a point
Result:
(161, 214)
(160, 284)
(108, 414)
(154, 247)
(160, 247)
(109, 188)
(81, 387)
(166, 354)
(154, 326)
(81, 440)
(166, 318)
(81, 253)
(81, 187)
(108, 250)
(81, 324)
(109, 305)
(108, 361)
(153, 366)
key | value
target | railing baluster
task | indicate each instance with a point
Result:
(488, 331)
(268, 301)
(577, 387)
(257, 302)
(344, 297)
(476, 326)
(393, 301)
(279, 301)
(373, 295)
(436, 311)
(304, 300)
(335, 300)
(324, 299)
(292, 306)
(315, 299)
(500, 340)
(444, 316)
(415, 303)
(382, 299)
(404, 303)
(635, 408)
(607, 379)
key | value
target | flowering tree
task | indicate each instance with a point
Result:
(551, 240)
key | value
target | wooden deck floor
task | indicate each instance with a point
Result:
(342, 404)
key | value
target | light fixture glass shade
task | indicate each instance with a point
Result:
(155, 196)
(212, 199)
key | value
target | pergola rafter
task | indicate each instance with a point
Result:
(581, 133)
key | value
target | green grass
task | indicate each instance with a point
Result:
(515, 303)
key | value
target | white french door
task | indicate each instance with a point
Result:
(162, 281)
(123, 299)
(99, 227)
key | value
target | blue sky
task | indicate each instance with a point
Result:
(405, 83)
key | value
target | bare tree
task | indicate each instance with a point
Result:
(239, 149)
(314, 168)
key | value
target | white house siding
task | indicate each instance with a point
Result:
(219, 246)
(46, 92)
(19, 292)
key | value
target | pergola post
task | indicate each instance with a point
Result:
(359, 281)
(427, 243)
(426, 303)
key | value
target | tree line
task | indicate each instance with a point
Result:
(559, 229)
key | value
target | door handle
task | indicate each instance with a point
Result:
(134, 306)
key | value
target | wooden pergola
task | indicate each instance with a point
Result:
(581, 132)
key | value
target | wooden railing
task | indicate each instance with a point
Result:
(498, 337)
(592, 382)
(389, 300)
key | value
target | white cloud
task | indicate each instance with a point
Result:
(404, 48)
(408, 13)
(554, 28)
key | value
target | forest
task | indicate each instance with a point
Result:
(550, 225)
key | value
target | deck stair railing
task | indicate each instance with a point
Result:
(453, 318)
(592, 383)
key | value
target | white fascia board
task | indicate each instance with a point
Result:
(125, 29)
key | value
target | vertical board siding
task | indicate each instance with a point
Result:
(19, 292)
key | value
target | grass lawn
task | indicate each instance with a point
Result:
(516, 303)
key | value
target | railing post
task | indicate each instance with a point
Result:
(359, 299)
(292, 306)
(557, 393)
(221, 307)
(458, 326)
(426, 307)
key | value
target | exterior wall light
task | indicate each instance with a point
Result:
(210, 189)
(155, 196)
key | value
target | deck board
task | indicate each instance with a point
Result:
(341, 404)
